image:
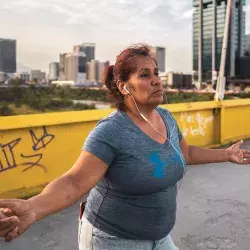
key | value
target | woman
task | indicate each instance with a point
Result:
(131, 162)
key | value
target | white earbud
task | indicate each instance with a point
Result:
(136, 105)
(126, 89)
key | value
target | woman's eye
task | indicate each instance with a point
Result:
(144, 75)
(157, 73)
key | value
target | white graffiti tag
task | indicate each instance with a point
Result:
(194, 124)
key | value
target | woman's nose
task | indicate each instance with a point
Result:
(155, 81)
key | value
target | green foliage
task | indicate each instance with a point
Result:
(187, 97)
(82, 106)
(5, 110)
(79, 93)
(36, 98)
(59, 98)
(17, 91)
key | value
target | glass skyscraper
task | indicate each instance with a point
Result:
(159, 53)
(87, 48)
(7, 55)
(208, 31)
(248, 44)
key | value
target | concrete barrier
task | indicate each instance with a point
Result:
(35, 149)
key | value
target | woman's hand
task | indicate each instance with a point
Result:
(238, 155)
(16, 216)
(7, 225)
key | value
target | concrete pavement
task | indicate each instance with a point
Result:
(213, 213)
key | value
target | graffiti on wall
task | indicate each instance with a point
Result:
(194, 124)
(8, 155)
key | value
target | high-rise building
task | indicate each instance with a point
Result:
(208, 32)
(53, 70)
(62, 61)
(87, 48)
(248, 44)
(7, 55)
(102, 67)
(159, 53)
(93, 70)
(75, 67)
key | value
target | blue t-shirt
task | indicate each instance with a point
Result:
(136, 199)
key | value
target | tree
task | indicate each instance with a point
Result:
(17, 91)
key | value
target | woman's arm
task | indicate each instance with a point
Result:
(67, 189)
(59, 194)
(197, 155)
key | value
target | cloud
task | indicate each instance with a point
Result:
(45, 28)
(188, 14)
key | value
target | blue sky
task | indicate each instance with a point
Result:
(45, 28)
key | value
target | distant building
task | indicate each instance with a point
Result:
(208, 33)
(62, 73)
(7, 55)
(75, 67)
(164, 79)
(93, 70)
(2, 77)
(243, 67)
(159, 53)
(179, 81)
(24, 76)
(63, 83)
(102, 67)
(87, 48)
(248, 44)
(37, 75)
(53, 71)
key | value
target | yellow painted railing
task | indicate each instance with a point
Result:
(35, 149)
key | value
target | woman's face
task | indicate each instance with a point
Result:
(145, 84)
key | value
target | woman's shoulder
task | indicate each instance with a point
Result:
(163, 111)
(110, 119)
(111, 123)
(106, 129)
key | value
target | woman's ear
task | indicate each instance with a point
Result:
(120, 86)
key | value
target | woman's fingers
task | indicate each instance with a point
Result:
(12, 235)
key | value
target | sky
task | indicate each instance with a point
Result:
(45, 28)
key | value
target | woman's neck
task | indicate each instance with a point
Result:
(149, 113)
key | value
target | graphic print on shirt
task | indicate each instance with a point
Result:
(159, 165)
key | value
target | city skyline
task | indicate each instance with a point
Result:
(44, 29)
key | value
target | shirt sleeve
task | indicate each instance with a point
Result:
(102, 142)
(180, 135)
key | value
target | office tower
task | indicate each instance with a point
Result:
(7, 55)
(102, 67)
(248, 44)
(53, 70)
(208, 32)
(243, 64)
(87, 48)
(159, 53)
(75, 67)
(93, 70)
(62, 61)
